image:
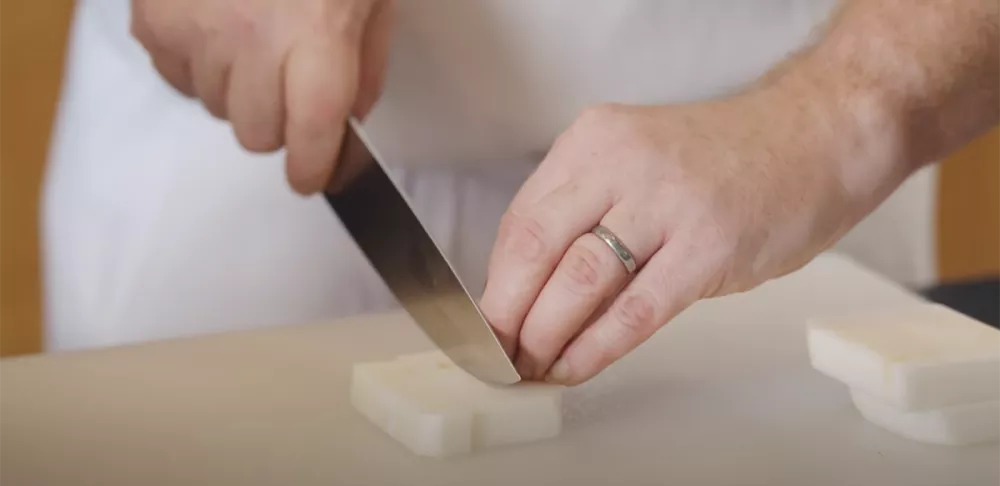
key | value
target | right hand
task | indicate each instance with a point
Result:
(284, 73)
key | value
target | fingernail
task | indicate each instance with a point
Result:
(559, 372)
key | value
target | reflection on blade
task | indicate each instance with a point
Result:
(383, 224)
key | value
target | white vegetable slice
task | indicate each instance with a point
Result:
(436, 409)
(957, 425)
(922, 357)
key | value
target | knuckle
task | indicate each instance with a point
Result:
(523, 237)
(611, 121)
(583, 269)
(600, 113)
(243, 24)
(611, 132)
(636, 312)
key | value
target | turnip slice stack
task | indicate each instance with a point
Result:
(435, 409)
(924, 372)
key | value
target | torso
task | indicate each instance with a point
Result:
(484, 82)
(480, 81)
(157, 224)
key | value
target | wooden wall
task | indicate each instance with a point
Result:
(968, 235)
(32, 43)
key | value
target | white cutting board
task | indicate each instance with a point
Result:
(723, 396)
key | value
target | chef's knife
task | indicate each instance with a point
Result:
(381, 221)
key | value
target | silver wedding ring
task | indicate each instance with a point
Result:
(616, 245)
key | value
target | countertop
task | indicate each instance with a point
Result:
(723, 395)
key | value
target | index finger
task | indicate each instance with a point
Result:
(320, 86)
(530, 242)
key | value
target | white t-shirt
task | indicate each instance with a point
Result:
(156, 223)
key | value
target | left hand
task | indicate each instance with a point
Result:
(710, 198)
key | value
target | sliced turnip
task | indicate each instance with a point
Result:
(436, 409)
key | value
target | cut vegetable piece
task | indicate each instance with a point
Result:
(385, 395)
(922, 357)
(436, 409)
(957, 425)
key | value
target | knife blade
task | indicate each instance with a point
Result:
(381, 220)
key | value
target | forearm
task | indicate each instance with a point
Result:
(922, 77)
